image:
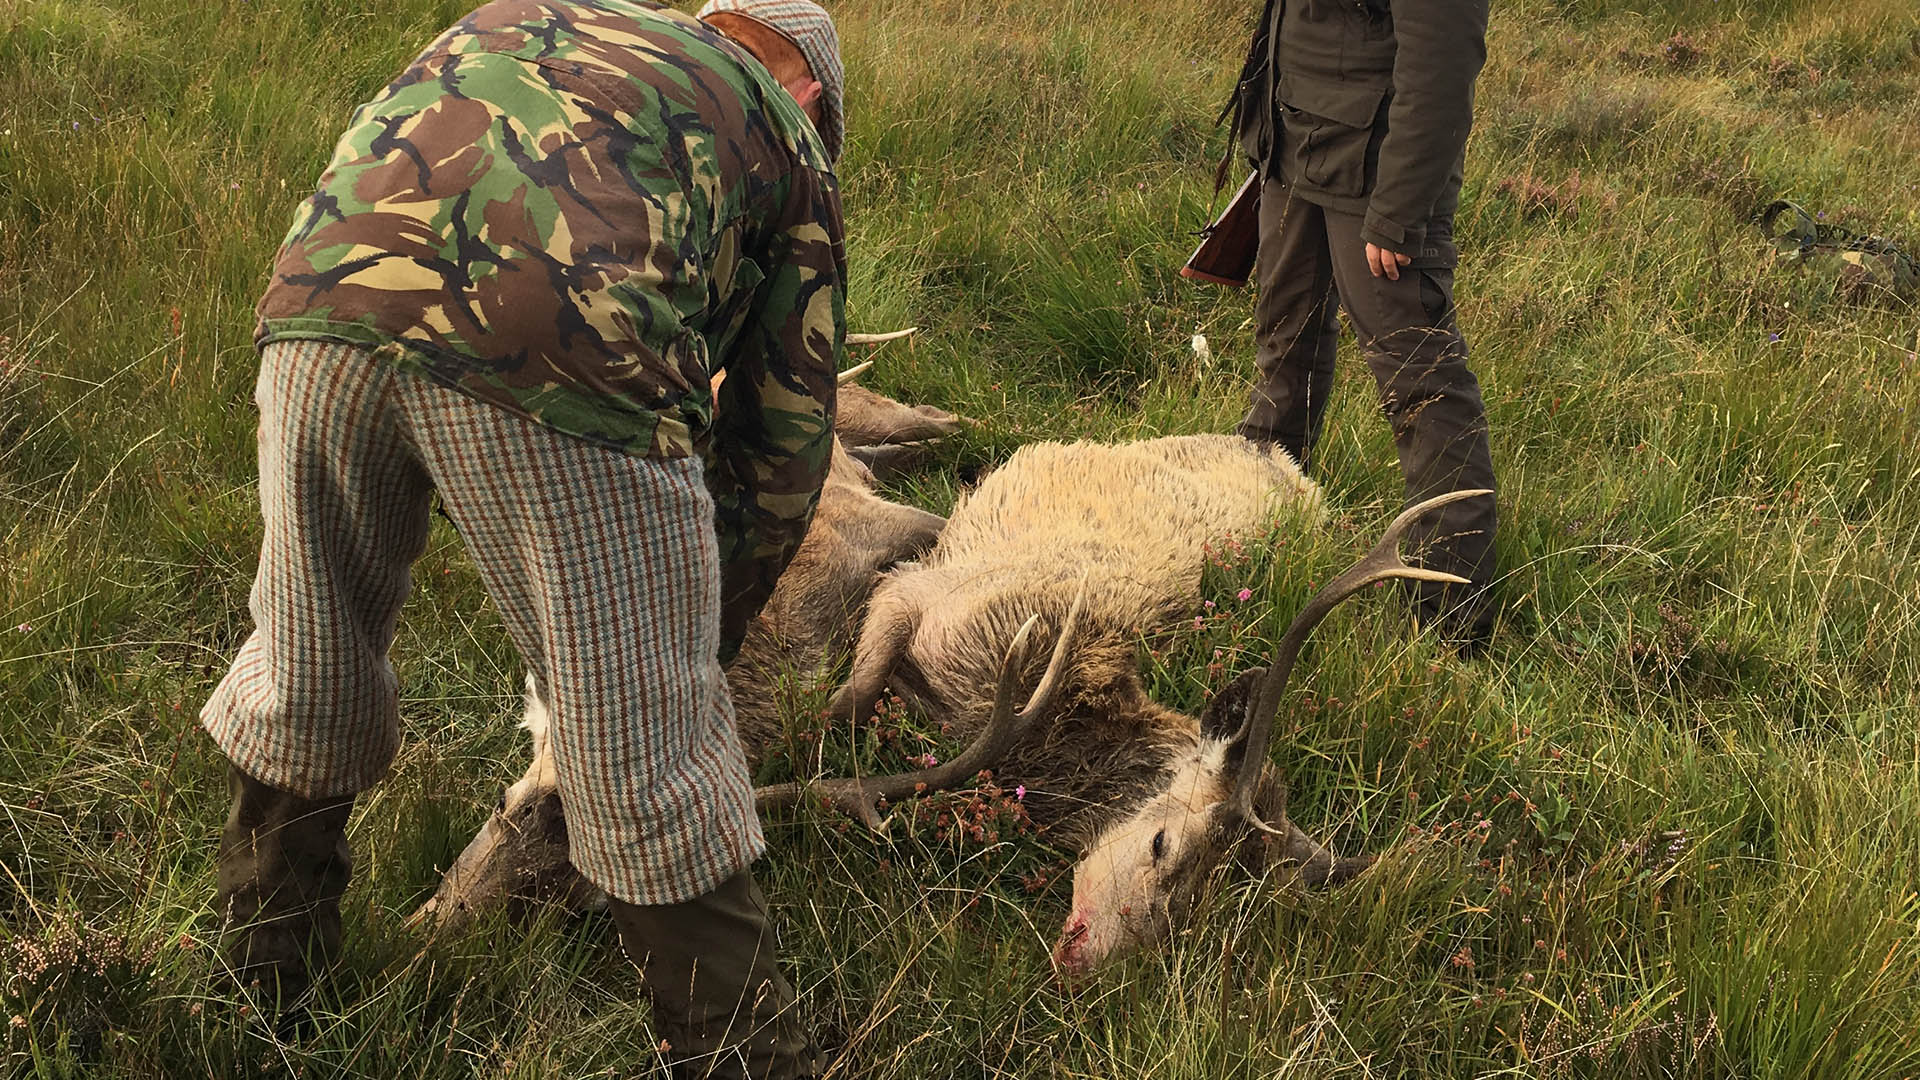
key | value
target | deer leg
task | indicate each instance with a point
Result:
(519, 856)
(886, 460)
(882, 642)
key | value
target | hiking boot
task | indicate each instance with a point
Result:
(283, 867)
(719, 1001)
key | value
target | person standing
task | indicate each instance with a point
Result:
(524, 265)
(1356, 113)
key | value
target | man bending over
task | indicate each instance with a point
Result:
(528, 258)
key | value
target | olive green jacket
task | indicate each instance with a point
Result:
(1364, 108)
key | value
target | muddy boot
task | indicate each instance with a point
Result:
(283, 867)
(718, 999)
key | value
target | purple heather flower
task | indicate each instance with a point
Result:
(1244, 594)
(1020, 793)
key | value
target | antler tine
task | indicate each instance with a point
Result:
(1378, 564)
(852, 373)
(1042, 695)
(877, 339)
(855, 796)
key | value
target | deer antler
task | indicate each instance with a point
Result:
(877, 339)
(858, 370)
(1379, 564)
(855, 796)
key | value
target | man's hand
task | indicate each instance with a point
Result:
(1386, 263)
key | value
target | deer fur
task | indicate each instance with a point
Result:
(1107, 768)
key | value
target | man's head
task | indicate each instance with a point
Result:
(796, 42)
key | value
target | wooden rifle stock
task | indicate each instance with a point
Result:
(1228, 245)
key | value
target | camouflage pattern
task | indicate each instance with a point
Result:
(580, 212)
(808, 26)
(1863, 267)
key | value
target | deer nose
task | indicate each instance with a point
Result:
(1069, 957)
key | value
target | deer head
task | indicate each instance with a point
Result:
(1141, 876)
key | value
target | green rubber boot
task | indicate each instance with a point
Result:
(719, 1001)
(284, 864)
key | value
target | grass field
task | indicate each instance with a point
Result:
(1670, 827)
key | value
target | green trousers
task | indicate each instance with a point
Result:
(1312, 265)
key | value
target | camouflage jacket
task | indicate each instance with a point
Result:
(581, 212)
(1862, 267)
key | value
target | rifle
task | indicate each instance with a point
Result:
(1228, 245)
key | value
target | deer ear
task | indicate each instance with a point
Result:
(1228, 709)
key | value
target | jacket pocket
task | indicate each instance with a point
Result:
(1330, 139)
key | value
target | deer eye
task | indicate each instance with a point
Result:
(1159, 844)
